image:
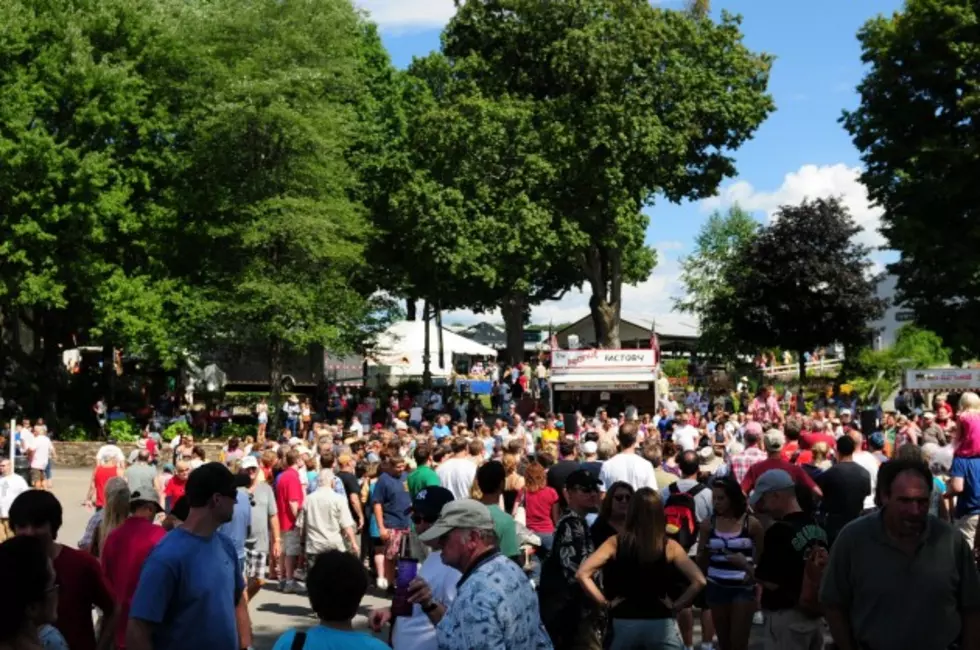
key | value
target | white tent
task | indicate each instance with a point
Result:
(399, 352)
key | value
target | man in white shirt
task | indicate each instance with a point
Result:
(325, 520)
(11, 485)
(457, 473)
(868, 461)
(110, 450)
(418, 631)
(627, 465)
(25, 438)
(40, 452)
(685, 435)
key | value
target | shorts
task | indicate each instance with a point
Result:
(49, 470)
(394, 543)
(377, 546)
(37, 475)
(256, 565)
(716, 595)
(263, 418)
(291, 546)
(792, 630)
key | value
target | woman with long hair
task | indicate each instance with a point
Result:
(730, 593)
(612, 513)
(513, 485)
(29, 604)
(541, 511)
(638, 567)
(114, 514)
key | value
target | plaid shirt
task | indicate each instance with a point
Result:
(741, 463)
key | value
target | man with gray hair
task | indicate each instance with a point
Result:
(325, 521)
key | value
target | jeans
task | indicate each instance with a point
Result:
(293, 425)
(641, 634)
(547, 539)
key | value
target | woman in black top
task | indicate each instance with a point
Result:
(612, 512)
(638, 566)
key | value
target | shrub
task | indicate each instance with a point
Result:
(125, 430)
(176, 429)
(240, 431)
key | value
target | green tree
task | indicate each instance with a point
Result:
(483, 231)
(803, 283)
(89, 97)
(631, 102)
(271, 187)
(916, 129)
(717, 254)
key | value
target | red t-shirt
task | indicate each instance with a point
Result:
(288, 488)
(123, 554)
(799, 475)
(175, 489)
(151, 448)
(789, 449)
(81, 585)
(102, 476)
(538, 508)
(808, 439)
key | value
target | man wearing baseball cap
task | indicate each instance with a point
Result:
(495, 606)
(434, 588)
(166, 612)
(568, 614)
(793, 535)
(263, 533)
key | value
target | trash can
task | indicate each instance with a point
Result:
(22, 467)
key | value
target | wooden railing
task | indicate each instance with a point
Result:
(793, 369)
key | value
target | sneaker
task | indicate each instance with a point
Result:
(292, 587)
(382, 584)
(282, 586)
(757, 619)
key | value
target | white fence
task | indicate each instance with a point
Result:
(823, 367)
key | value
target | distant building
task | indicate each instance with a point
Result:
(895, 316)
(633, 336)
(486, 334)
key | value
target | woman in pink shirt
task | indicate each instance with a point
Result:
(541, 508)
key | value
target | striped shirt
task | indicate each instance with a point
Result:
(720, 570)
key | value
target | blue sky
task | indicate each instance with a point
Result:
(800, 151)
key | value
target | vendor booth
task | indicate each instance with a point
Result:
(399, 354)
(927, 383)
(586, 379)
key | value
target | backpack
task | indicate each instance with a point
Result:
(815, 561)
(681, 514)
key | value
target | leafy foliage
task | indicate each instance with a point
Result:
(916, 129)
(914, 348)
(630, 102)
(802, 283)
(123, 430)
(717, 253)
(180, 428)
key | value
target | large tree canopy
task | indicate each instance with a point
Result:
(717, 255)
(916, 127)
(631, 102)
(802, 283)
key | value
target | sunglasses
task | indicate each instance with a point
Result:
(622, 497)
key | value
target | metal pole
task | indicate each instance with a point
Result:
(13, 424)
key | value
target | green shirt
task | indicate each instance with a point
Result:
(420, 479)
(506, 529)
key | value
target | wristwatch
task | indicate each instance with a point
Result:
(431, 607)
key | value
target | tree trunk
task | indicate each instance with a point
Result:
(603, 268)
(108, 372)
(275, 389)
(426, 350)
(513, 309)
(802, 368)
(51, 364)
(410, 310)
(442, 351)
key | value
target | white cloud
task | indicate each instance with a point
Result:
(404, 15)
(808, 182)
(670, 246)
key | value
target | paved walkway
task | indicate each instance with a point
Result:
(272, 612)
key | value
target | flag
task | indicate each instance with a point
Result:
(654, 344)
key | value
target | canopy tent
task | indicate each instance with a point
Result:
(400, 349)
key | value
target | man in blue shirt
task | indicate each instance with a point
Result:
(441, 428)
(191, 586)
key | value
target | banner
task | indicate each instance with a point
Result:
(940, 379)
(572, 361)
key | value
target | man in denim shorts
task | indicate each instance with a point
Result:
(264, 531)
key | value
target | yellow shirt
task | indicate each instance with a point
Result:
(549, 435)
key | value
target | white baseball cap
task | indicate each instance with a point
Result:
(249, 462)
(589, 447)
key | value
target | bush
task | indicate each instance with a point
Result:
(240, 431)
(125, 430)
(176, 429)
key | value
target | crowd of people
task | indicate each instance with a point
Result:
(767, 523)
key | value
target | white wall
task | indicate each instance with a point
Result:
(895, 315)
